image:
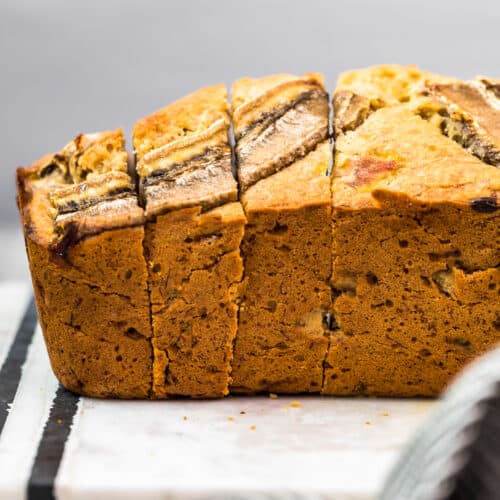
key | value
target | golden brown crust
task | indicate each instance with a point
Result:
(34, 205)
(191, 114)
(361, 92)
(396, 150)
(89, 155)
(306, 182)
(387, 85)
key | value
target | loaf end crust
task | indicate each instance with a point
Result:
(416, 241)
(83, 232)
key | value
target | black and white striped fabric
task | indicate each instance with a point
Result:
(456, 454)
(35, 412)
(54, 444)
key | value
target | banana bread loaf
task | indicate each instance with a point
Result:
(416, 230)
(283, 152)
(193, 234)
(165, 279)
(84, 233)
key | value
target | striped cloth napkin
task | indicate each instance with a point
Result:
(456, 454)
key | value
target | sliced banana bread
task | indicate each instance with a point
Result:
(283, 153)
(193, 234)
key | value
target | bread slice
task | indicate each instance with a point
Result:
(83, 231)
(193, 234)
(416, 241)
(283, 153)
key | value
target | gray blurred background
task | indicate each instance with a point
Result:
(69, 67)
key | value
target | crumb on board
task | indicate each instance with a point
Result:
(184, 417)
(295, 404)
(368, 422)
(385, 414)
(230, 419)
(242, 413)
(252, 427)
(273, 396)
